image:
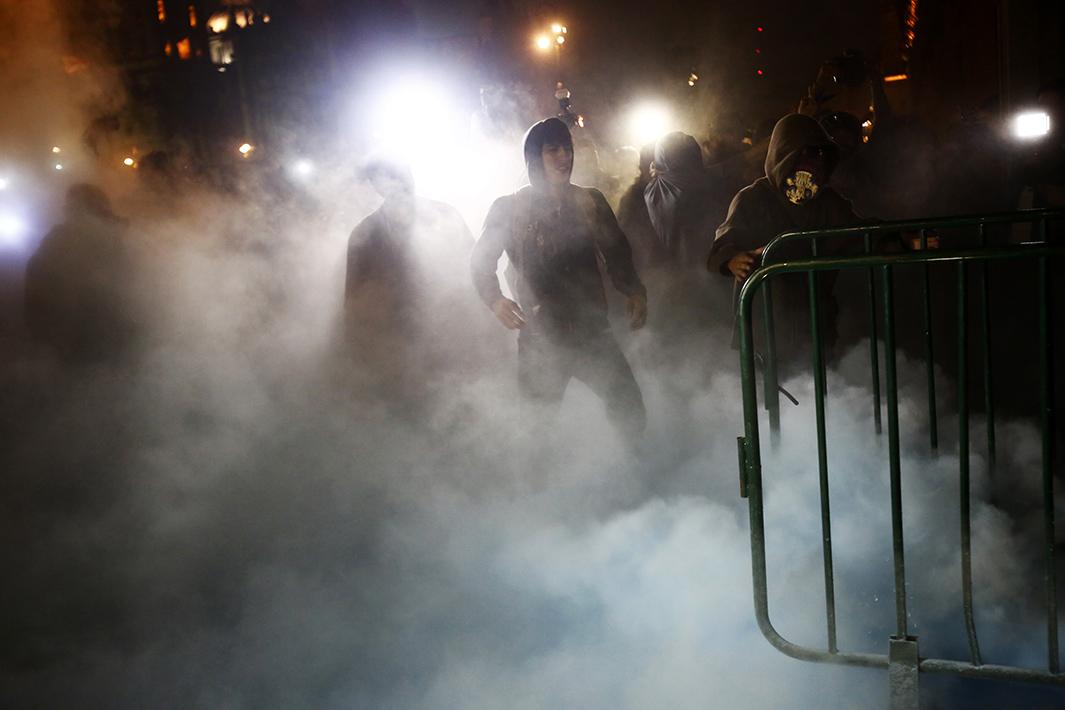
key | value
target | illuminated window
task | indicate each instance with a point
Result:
(218, 22)
(192, 16)
(160, 8)
(184, 48)
(168, 49)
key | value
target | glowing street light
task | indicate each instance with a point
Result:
(543, 43)
(1031, 125)
(129, 162)
(245, 149)
(556, 28)
(56, 149)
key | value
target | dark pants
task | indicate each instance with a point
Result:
(546, 364)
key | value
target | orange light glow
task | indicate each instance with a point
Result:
(168, 49)
(192, 15)
(184, 48)
(160, 10)
(896, 77)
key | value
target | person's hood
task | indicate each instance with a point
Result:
(676, 194)
(550, 130)
(793, 134)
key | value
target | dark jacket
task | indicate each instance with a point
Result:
(554, 244)
(761, 211)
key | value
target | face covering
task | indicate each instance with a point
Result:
(801, 187)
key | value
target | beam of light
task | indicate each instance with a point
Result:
(1030, 125)
(648, 122)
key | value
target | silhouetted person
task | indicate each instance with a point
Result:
(634, 219)
(553, 232)
(405, 296)
(74, 299)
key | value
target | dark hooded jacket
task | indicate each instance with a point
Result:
(677, 198)
(553, 244)
(761, 211)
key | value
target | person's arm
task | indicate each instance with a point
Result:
(484, 265)
(730, 254)
(617, 255)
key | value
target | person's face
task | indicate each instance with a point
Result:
(558, 163)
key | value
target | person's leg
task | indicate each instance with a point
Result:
(602, 366)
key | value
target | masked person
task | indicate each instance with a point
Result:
(792, 196)
(402, 295)
(553, 234)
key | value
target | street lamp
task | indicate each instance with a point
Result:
(555, 37)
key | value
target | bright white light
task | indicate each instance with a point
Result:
(560, 39)
(418, 121)
(1031, 125)
(4, 182)
(58, 166)
(556, 28)
(12, 229)
(245, 149)
(543, 42)
(302, 168)
(55, 149)
(128, 162)
(648, 122)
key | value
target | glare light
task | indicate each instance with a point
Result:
(543, 42)
(1030, 125)
(128, 162)
(55, 149)
(246, 149)
(560, 39)
(556, 28)
(4, 182)
(649, 122)
(58, 166)
(302, 168)
(12, 229)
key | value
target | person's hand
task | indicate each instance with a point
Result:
(742, 264)
(509, 314)
(637, 310)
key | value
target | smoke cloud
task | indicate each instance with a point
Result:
(236, 515)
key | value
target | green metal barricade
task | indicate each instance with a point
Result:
(902, 659)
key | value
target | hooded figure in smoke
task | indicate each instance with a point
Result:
(792, 196)
(553, 233)
(402, 296)
(677, 197)
(75, 280)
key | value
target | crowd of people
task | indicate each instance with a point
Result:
(690, 227)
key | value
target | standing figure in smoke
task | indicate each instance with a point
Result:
(75, 302)
(403, 295)
(553, 233)
(792, 196)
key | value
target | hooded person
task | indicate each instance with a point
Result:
(677, 199)
(554, 233)
(792, 196)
